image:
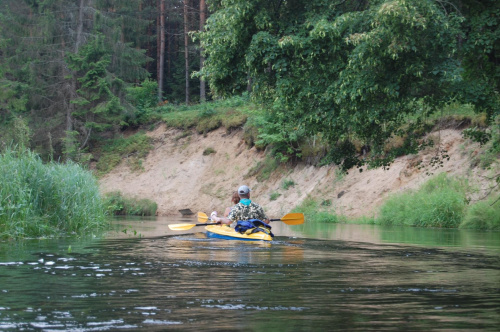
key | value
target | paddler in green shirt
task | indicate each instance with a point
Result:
(244, 210)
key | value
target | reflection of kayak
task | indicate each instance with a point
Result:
(228, 233)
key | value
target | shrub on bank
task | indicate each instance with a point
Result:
(38, 199)
(440, 202)
(118, 205)
(483, 215)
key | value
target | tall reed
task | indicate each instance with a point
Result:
(440, 202)
(38, 199)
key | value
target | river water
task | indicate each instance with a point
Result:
(313, 277)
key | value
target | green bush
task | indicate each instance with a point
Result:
(144, 98)
(116, 204)
(38, 199)
(314, 213)
(274, 196)
(208, 151)
(483, 215)
(287, 183)
(440, 202)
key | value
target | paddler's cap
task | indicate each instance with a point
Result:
(243, 190)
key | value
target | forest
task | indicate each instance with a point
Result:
(68, 68)
(349, 73)
(336, 80)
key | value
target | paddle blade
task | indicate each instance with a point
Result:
(202, 217)
(181, 227)
(293, 218)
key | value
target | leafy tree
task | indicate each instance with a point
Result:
(144, 98)
(97, 100)
(41, 38)
(479, 53)
(351, 71)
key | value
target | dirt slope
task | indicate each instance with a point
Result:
(177, 176)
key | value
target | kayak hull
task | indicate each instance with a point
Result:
(228, 233)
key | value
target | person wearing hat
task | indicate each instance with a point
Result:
(244, 210)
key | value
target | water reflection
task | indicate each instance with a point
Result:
(312, 277)
(400, 234)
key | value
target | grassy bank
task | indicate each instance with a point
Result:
(441, 202)
(119, 205)
(201, 118)
(38, 200)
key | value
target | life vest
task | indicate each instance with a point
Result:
(252, 226)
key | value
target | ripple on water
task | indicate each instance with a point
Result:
(161, 322)
(230, 306)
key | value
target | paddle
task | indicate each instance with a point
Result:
(185, 227)
(202, 217)
(289, 219)
(292, 218)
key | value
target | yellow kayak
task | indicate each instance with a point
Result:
(228, 233)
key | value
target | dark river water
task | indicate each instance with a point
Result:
(312, 277)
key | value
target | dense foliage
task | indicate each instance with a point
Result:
(67, 67)
(38, 199)
(346, 73)
(351, 72)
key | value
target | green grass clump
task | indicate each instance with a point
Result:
(274, 196)
(113, 151)
(313, 212)
(287, 183)
(118, 205)
(440, 202)
(483, 215)
(38, 200)
(205, 117)
(208, 151)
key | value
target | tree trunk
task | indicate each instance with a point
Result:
(72, 93)
(79, 28)
(203, 10)
(186, 49)
(169, 50)
(158, 43)
(162, 50)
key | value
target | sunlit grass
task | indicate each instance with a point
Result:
(38, 199)
(440, 202)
